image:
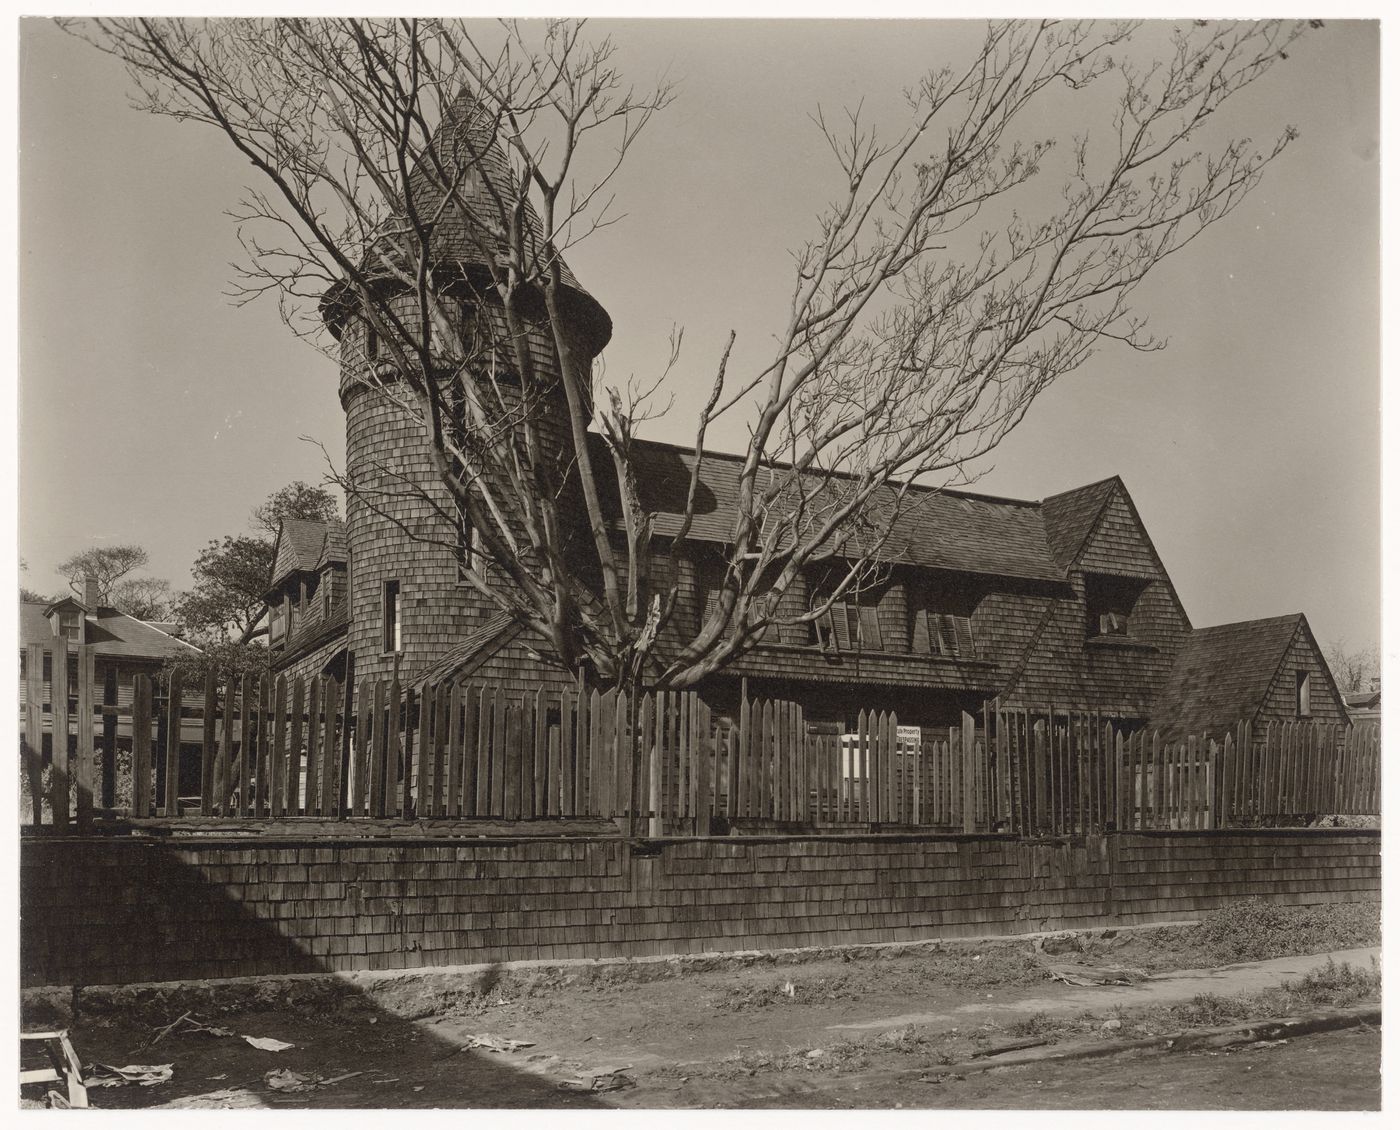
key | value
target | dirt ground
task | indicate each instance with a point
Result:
(804, 1031)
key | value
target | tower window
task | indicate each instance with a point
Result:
(393, 618)
(1304, 694)
(371, 343)
(468, 548)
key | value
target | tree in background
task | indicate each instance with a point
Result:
(232, 575)
(105, 564)
(933, 302)
(145, 598)
(296, 500)
(1353, 667)
(28, 595)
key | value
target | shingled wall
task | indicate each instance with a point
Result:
(112, 911)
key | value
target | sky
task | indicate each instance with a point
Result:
(154, 411)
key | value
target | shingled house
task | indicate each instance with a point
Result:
(1060, 602)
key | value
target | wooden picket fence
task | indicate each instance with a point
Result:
(271, 748)
(1070, 773)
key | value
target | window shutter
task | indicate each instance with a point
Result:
(962, 634)
(870, 639)
(840, 618)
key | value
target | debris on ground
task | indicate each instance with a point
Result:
(188, 1022)
(268, 1044)
(284, 1079)
(607, 1079)
(1091, 975)
(143, 1075)
(491, 1043)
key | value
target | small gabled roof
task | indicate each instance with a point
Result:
(1222, 674)
(301, 543)
(1072, 515)
(473, 649)
(333, 550)
(114, 633)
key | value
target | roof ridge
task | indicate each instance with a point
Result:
(708, 453)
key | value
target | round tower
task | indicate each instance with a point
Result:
(410, 606)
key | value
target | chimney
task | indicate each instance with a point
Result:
(90, 595)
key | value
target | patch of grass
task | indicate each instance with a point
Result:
(1255, 930)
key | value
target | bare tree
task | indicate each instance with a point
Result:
(1353, 667)
(107, 565)
(927, 311)
(145, 598)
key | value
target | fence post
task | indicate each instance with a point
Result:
(173, 705)
(34, 728)
(275, 789)
(969, 774)
(58, 712)
(87, 678)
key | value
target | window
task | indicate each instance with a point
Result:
(468, 547)
(393, 619)
(66, 624)
(851, 624)
(940, 616)
(1109, 605)
(326, 596)
(1304, 694)
(276, 622)
(371, 343)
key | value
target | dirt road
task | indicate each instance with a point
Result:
(761, 1032)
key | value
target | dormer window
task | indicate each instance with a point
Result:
(67, 624)
(1110, 603)
(277, 623)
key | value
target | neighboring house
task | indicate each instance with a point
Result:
(1062, 602)
(1364, 706)
(125, 646)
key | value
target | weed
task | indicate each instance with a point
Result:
(1255, 930)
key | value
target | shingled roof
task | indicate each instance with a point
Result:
(115, 634)
(304, 545)
(1070, 517)
(1222, 674)
(465, 240)
(935, 529)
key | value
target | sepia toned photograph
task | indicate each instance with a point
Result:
(699, 564)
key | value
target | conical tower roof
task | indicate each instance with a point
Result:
(468, 152)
